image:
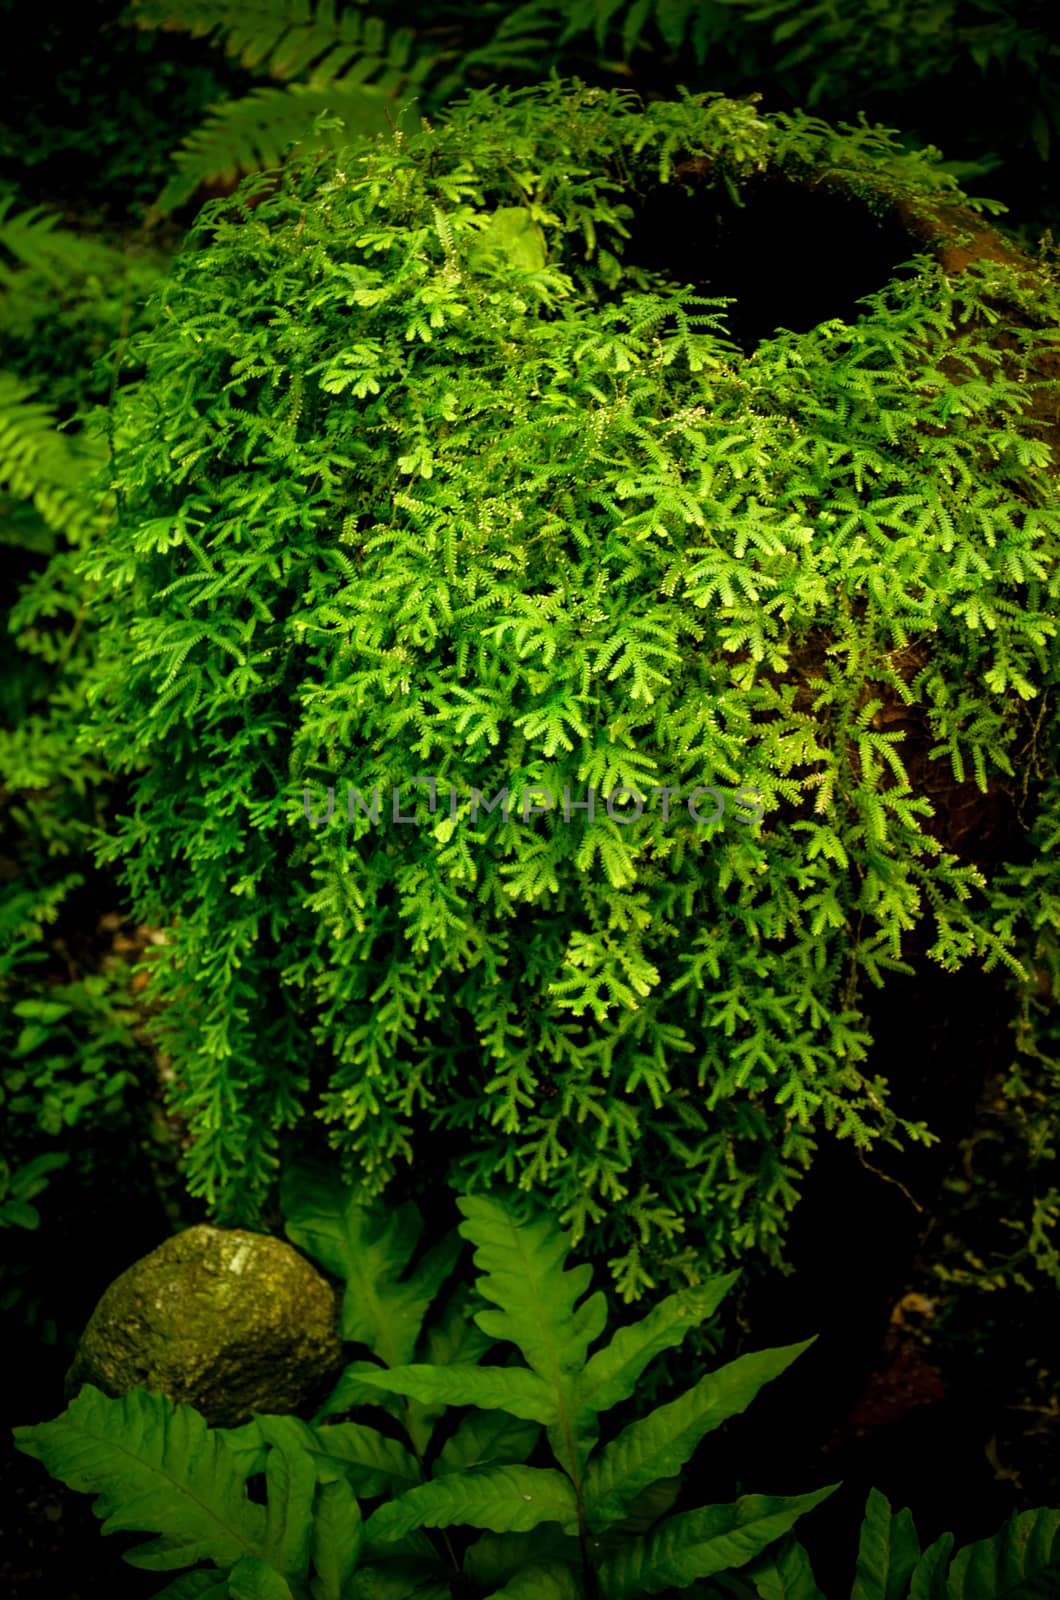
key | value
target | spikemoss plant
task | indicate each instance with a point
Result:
(428, 486)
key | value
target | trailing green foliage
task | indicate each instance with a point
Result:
(601, 1514)
(423, 480)
(999, 1221)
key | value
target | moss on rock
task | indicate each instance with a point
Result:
(231, 1322)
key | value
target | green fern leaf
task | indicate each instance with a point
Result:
(541, 1582)
(658, 1445)
(697, 1544)
(1021, 1562)
(156, 1468)
(353, 1389)
(372, 1463)
(337, 1540)
(41, 465)
(929, 1579)
(253, 1579)
(451, 1340)
(405, 1580)
(490, 1437)
(611, 1374)
(786, 1574)
(291, 1482)
(512, 1389)
(285, 38)
(522, 1271)
(497, 1559)
(505, 1499)
(369, 1247)
(40, 246)
(524, 1276)
(197, 1586)
(256, 133)
(888, 1551)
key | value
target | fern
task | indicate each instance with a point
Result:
(678, 23)
(256, 133)
(39, 465)
(1020, 1561)
(537, 1305)
(598, 1524)
(157, 1468)
(285, 38)
(37, 243)
(349, 68)
(70, 1060)
(601, 1511)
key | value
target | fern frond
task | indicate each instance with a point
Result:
(698, 1544)
(522, 1267)
(611, 1374)
(502, 1498)
(1023, 1558)
(40, 465)
(256, 133)
(343, 65)
(658, 1446)
(541, 1581)
(39, 245)
(888, 1551)
(523, 1274)
(785, 1574)
(369, 1247)
(288, 39)
(156, 1468)
(1020, 1561)
(159, 1468)
(678, 22)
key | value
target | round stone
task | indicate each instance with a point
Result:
(228, 1321)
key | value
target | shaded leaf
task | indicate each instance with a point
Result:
(503, 1499)
(484, 1437)
(786, 1574)
(511, 1389)
(541, 1582)
(155, 1468)
(888, 1551)
(696, 1544)
(1021, 1562)
(611, 1374)
(658, 1445)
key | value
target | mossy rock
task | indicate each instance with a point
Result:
(444, 461)
(229, 1321)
